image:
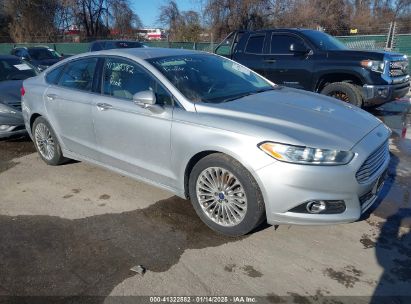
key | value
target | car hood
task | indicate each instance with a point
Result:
(291, 116)
(10, 91)
(362, 54)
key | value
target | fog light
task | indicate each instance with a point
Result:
(382, 92)
(316, 206)
(320, 207)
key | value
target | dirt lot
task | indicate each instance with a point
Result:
(78, 229)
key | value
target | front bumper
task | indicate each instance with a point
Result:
(11, 125)
(379, 94)
(286, 186)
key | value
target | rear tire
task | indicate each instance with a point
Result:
(225, 195)
(344, 91)
(46, 143)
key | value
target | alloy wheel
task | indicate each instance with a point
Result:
(221, 196)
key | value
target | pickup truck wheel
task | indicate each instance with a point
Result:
(225, 195)
(344, 91)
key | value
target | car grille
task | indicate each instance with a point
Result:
(398, 68)
(15, 105)
(373, 163)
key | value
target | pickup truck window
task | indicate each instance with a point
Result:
(255, 44)
(208, 78)
(280, 44)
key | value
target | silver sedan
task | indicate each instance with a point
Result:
(241, 148)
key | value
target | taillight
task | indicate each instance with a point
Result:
(22, 91)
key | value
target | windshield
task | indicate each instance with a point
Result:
(209, 78)
(15, 69)
(324, 41)
(43, 53)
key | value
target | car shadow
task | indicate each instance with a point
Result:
(52, 256)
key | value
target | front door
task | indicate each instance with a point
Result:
(132, 138)
(287, 68)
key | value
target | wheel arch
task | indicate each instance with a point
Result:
(328, 78)
(200, 155)
(190, 165)
(33, 117)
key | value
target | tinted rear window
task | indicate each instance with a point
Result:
(255, 44)
(280, 44)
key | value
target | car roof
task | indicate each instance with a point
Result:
(147, 53)
(32, 47)
(290, 30)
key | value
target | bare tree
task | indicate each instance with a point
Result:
(89, 13)
(224, 16)
(124, 18)
(31, 19)
(170, 18)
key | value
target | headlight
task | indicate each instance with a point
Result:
(6, 110)
(306, 155)
(373, 65)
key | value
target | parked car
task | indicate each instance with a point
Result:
(209, 129)
(99, 45)
(317, 62)
(12, 73)
(40, 56)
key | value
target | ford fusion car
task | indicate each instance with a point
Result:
(241, 148)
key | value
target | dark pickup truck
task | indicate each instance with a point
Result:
(315, 61)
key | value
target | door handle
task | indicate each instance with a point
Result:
(270, 60)
(104, 106)
(51, 97)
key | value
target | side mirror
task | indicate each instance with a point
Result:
(147, 100)
(298, 48)
(144, 97)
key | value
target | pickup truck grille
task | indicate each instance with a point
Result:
(398, 68)
(373, 163)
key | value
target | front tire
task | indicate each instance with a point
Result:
(225, 195)
(344, 91)
(46, 143)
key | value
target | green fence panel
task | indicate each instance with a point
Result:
(71, 48)
(368, 42)
(403, 44)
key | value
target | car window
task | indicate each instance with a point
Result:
(280, 44)
(79, 74)
(15, 69)
(123, 79)
(18, 53)
(42, 53)
(255, 44)
(53, 76)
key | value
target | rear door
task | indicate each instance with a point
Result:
(69, 101)
(285, 67)
(250, 52)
